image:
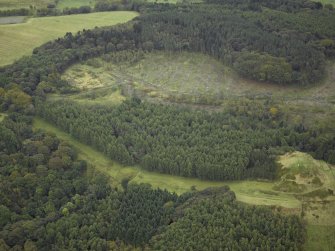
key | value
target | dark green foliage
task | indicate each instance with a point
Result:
(297, 41)
(57, 207)
(263, 67)
(231, 34)
(15, 12)
(141, 212)
(218, 222)
(230, 145)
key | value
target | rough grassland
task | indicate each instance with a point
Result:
(17, 40)
(196, 78)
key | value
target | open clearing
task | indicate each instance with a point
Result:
(192, 78)
(196, 80)
(17, 40)
(318, 212)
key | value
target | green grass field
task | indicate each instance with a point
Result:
(62, 4)
(17, 40)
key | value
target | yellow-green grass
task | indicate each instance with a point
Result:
(327, 2)
(17, 40)
(96, 86)
(62, 4)
(302, 174)
(2, 116)
(253, 192)
(320, 238)
(17, 4)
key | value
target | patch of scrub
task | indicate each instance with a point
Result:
(302, 174)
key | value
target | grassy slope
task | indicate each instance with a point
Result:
(18, 40)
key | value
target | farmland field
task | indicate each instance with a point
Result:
(17, 40)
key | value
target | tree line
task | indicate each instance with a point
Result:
(231, 145)
(268, 45)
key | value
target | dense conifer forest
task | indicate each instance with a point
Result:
(237, 144)
(51, 200)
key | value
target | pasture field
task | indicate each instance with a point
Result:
(17, 40)
(62, 4)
